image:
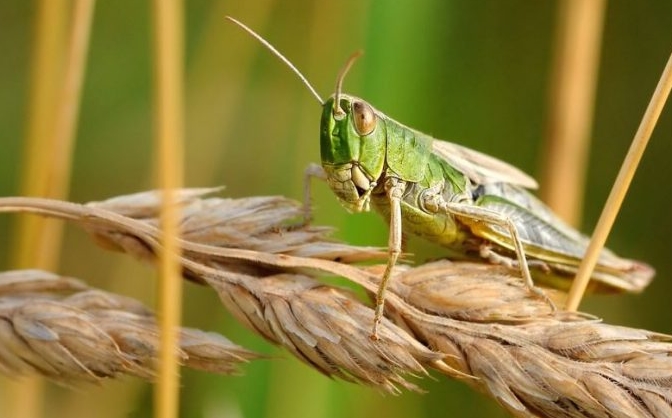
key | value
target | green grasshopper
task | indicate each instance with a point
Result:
(473, 204)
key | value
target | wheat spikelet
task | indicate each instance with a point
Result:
(58, 327)
(473, 322)
(537, 362)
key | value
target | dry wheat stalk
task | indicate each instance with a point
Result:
(58, 327)
(474, 322)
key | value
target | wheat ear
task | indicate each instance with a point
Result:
(473, 322)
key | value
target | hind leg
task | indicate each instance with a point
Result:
(479, 214)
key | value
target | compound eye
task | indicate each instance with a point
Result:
(364, 117)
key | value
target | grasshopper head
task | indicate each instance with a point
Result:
(352, 137)
(352, 143)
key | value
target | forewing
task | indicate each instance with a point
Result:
(479, 167)
(544, 236)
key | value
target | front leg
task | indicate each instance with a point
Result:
(394, 189)
(312, 171)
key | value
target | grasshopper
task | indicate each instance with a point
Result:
(476, 206)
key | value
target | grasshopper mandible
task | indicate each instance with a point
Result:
(473, 204)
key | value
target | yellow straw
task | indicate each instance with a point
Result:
(169, 128)
(573, 86)
(620, 187)
(53, 114)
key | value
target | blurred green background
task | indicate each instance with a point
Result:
(472, 72)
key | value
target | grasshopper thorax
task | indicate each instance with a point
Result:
(352, 145)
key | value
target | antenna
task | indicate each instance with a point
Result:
(279, 55)
(338, 112)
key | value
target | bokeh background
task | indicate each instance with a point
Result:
(477, 73)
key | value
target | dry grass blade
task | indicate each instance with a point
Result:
(266, 224)
(57, 327)
(474, 322)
